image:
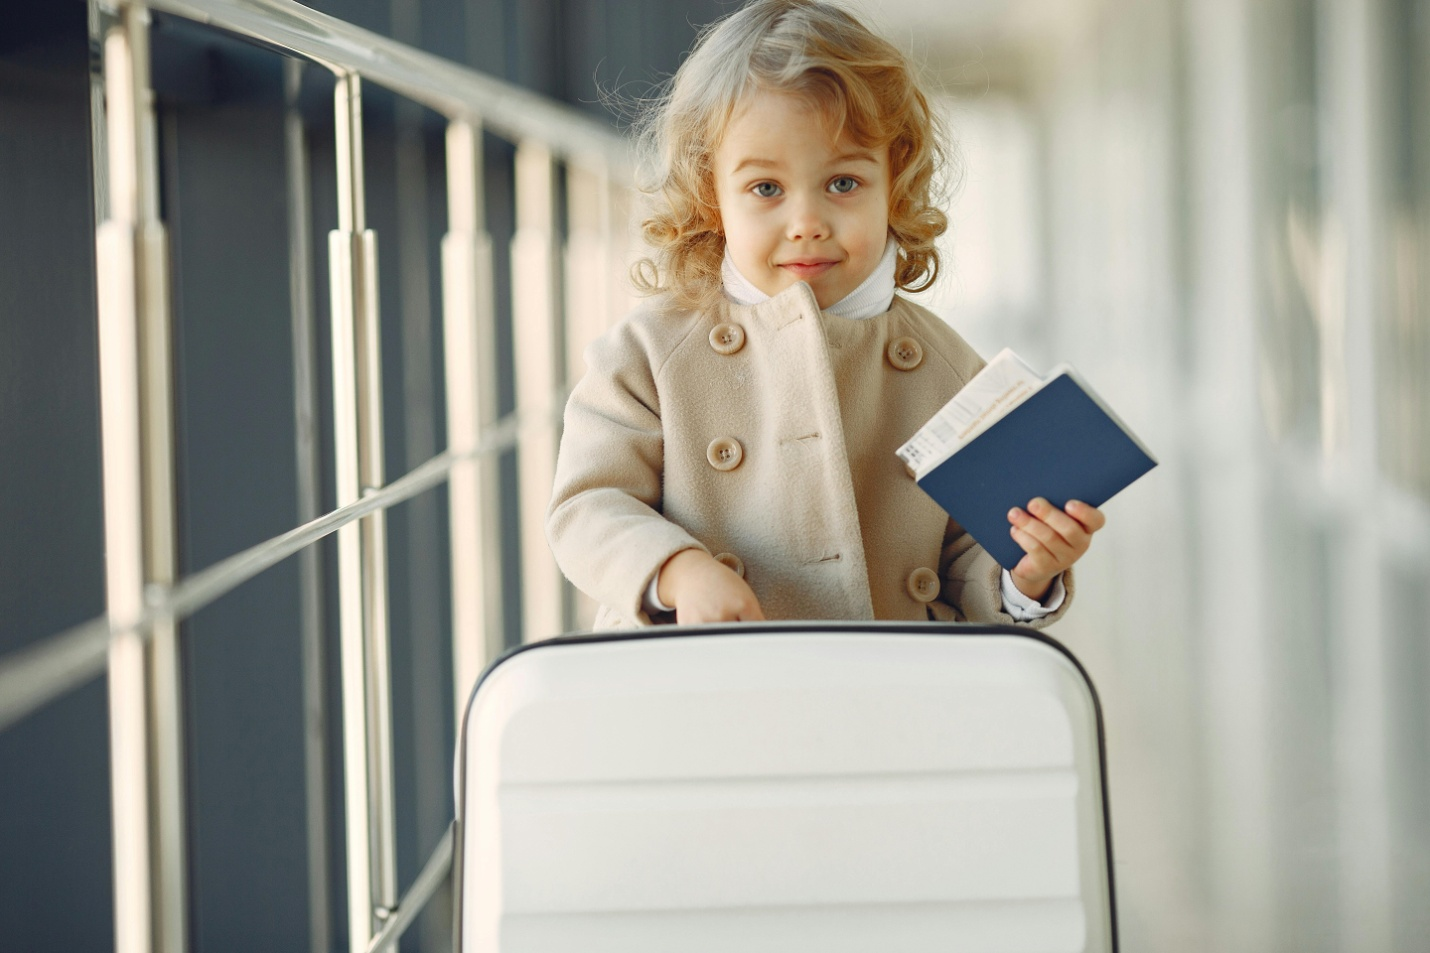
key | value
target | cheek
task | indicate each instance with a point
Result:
(874, 231)
(746, 235)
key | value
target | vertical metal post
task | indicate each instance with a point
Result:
(1354, 298)
(588, 278)
(1230, 448)
(362, 547)
(166, 713)
(101, 18)
(309, 462)
(471, 372)
(146, 706)
(123, 507)
(539, 369)
(586, 273)
(423, 564)
(620, 226)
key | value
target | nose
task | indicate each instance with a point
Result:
(807, 221)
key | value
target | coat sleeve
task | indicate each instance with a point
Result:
(604, 523)
(972, 587)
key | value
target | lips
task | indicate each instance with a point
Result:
(811, 268)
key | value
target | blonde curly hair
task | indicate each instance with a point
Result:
(867, 90)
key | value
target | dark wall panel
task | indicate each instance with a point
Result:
(227, 210)
(51, 534)
(54, 767)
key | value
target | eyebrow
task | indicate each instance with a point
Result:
(765, 163)
(839, 159)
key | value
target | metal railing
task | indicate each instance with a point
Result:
(137, 641)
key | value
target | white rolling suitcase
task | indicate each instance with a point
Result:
(784, 787)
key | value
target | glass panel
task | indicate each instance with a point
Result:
(1404, 336)
(405, 161)
(1302, 692)
(1290, 215)
(1409, 673)
(221, 112)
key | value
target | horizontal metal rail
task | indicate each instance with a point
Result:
(452, 90)
(34, 676)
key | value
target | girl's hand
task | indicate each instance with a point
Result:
(1053, 540)
(703, 590)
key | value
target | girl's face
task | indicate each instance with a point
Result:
(796, 205)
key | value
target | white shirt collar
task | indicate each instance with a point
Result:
(873, 296)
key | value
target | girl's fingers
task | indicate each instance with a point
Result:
(1072, 532)
(1042, 559)
(1091, 518)
(1058, 547)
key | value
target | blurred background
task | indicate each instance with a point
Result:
(1217, 210)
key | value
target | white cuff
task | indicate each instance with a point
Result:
(651, 603)
(1024, 609)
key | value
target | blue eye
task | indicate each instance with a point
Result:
(765, 190)
(843, 184)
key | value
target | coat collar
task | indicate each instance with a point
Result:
(871, 299)
(797, 303)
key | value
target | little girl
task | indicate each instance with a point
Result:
(730, 453)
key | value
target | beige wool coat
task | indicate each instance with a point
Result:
(765, 435)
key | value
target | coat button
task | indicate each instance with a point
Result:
(905, 353)
(923, 584)
(732, 561)
(727, 338)
(725, 453)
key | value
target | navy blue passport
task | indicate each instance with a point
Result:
(1059, 443)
